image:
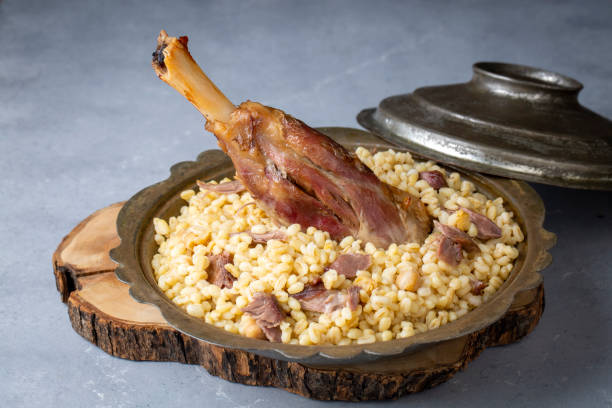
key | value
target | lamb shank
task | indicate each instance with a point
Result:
(295, 173)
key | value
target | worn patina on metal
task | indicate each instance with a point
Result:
(135, 228)
(509, 120)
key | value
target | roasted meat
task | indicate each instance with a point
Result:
(296, 174)
(217, 274)
(477, 287)
(434, 178)
(349, 264)
(452, 242)
(486, 228)
(316, 298)
(267, 314)
(450, 251)
(458, 236)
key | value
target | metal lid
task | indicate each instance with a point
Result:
(509, 120)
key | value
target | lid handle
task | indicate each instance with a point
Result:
(520, 81)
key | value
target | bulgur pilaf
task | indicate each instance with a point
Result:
(405, 290)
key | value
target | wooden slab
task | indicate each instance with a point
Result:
(102, 311)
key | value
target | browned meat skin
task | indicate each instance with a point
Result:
(487, 229)
(231, 187)
(434, 178)
(316, 298)
(450, 251)
(267, 314)
(313, 181)
(349, 264)
(295, 173)
(278, 196)
(477, 287)
(217, 274)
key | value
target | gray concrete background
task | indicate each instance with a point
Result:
(84, 123)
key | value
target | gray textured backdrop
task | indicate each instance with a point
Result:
(84, 123)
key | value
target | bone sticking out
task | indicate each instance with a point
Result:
(174, 65)
(296, 174)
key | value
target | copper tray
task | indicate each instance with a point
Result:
(134, 254)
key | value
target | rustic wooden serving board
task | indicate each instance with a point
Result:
(102, 311)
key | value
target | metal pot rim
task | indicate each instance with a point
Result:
(134, 226)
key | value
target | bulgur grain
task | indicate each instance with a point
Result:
(405, 290)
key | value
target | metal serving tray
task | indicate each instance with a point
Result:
(134, 254)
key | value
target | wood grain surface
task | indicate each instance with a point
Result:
(102, 311)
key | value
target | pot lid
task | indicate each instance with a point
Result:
(509, 120)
